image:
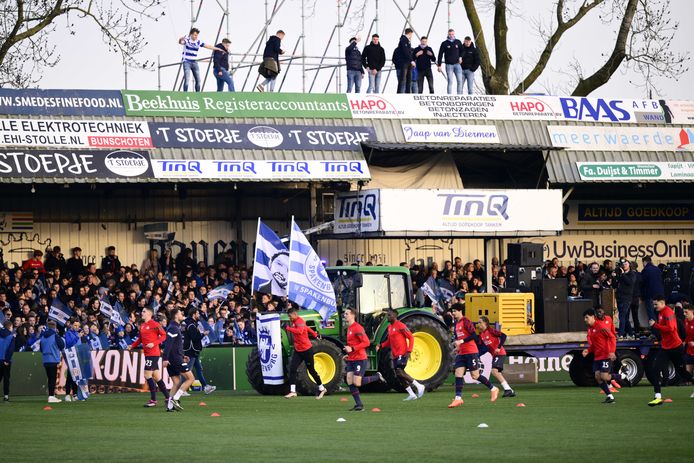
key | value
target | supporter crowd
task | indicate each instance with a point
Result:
(221, 292)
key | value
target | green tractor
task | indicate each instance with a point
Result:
(369, 290)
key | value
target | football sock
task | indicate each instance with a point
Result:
(483, 379)
(178, 394)
(658, 395)
(369, 379)
(459, 386)
(355, 394)
(321, 387)
(416, 384)
(409, 390)
(162, 388)
(605, 388)
(610, 396)
(506, 386)
(152, 389)
(292, 388)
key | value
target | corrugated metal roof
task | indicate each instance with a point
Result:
(562, 170)
(382, 146)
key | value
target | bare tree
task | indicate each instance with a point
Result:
(643, 42)
(26, 26)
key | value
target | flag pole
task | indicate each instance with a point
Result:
(257, 232)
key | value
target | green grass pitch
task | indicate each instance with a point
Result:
(559, 423)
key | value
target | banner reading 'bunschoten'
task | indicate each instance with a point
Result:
(228, 104)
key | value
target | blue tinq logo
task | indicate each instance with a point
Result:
(582, 109)
(475, 206)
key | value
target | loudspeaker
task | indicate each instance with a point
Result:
(550, 305)
(608, 301)
(576, 308)
(676, 277)
(521, 277)
(525, 254)
(551, 318)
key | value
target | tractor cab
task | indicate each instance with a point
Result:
(370, 291)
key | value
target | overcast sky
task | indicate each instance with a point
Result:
(86, 63)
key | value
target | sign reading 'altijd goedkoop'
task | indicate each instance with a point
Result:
(231, 104)
(251, 136)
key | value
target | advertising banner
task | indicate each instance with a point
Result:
(519, 107)
(621, 138)
(251, 136)
(606, 171)
(11, 222)
(620, 212)
(261, 170)
(37, 102)
(471, 210)
(75, 164)
(74, 133)
(445, 133)
(235, 104)
(270, 348)
(357, 212)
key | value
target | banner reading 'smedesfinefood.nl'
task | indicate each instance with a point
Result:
(36, 101)
(236, 104)
(74, 133)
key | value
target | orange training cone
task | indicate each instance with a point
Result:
(520, 405)
(215, 414)
(475, 396)
(202, 404)
(48, 407)
(375, 410)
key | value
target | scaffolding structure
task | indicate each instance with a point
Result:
(244, 65)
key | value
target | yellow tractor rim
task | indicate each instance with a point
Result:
(325, 367)
(425, 360)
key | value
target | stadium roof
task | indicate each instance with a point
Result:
(562, 168)
(383, 146)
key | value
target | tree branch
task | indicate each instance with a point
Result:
(603, 75)
(478, 34)
(562, 27)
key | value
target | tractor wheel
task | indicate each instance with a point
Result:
(631, 365)
(673, 378)
(430, 360)
(255, 377)
(330, 366)
(581, 370)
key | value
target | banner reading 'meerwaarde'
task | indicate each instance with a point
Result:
(236, 104)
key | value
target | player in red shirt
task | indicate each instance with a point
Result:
(671, 348)
(303, 352)
(152, 335)
(468, 356)
(608, 322)
(602, 343)
(401, 343)
(494, 340)
(689, 340)
(357, 363)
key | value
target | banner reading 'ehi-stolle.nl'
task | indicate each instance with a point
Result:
(230, 104)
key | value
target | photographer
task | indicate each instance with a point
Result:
(626, 287)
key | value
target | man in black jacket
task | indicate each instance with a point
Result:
(176, 362)
(402, 60)
(193, 345)
(355, 73)
(449, 54)
(626, 286)
(110, 264)
(423, 56)
(470, 62)
(271, 61)
(373, 58)
(589, 284)
(221, 66)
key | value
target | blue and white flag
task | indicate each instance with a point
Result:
(59, 312)
(432, 289)
(118, 316)
(211, 336)
(271, 263)
(95, 342)
(270, 348)
(79, 366)
(309, 285)
(447, 290)
(36, 346)
(220, 292)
